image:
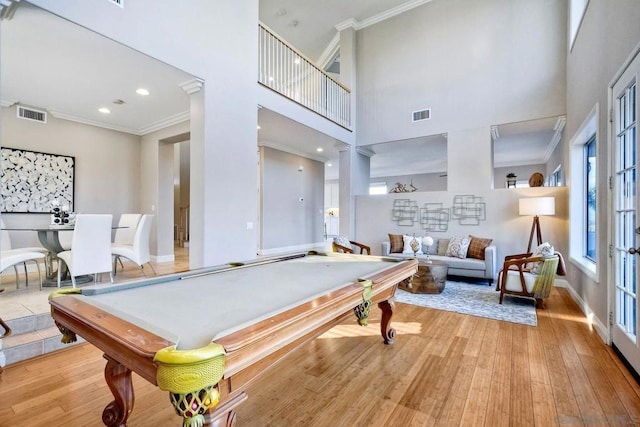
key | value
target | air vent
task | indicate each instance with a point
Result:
(31, 114)
(421, 115)
(118, 2)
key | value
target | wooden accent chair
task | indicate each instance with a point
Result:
(517, 277)
(344, 245)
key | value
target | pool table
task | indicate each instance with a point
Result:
(205, 335)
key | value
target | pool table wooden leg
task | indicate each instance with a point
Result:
(388, 333)
(119, 381)
(224, 415)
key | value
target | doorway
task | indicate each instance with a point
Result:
(624, 302)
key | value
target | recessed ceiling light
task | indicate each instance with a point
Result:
(142, 91)
(329, 164)
(319, 149)
(104, 110)
(258, 126)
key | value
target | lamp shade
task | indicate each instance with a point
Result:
(533, 206)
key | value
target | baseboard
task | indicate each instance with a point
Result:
(292, 249)
(163, 258)
(600, 327)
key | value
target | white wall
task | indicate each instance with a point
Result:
(504, 225)
(474, 63)
(195, 38)
(288, 222)
(107, 166)
(609, 32)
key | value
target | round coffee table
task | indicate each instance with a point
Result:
(430, 278)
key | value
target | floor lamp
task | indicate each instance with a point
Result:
(537, 206)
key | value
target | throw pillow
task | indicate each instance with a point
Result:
(443, 244)
(477, 247)
(397, 244)
(458, 247)
(342, 241)
(408, 250)
(545, 250)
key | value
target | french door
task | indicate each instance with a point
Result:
(626, 218)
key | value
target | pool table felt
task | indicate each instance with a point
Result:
(194, 311)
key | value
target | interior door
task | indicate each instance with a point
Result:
(627, 220)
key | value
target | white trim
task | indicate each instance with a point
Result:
(555, 139)
(391, 13)
(166, 122)
(292, 249)
(4, 102)
(329, 52)
(589, 127)
(191, 86)
(572, 37)
(632, 56)
(84, 121)
(157, 259)
(593, 320)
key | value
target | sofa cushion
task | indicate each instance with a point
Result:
(443, 244)
(407, 245)
(397, 243)
(458, 247)
(462, 263)
(477, 247)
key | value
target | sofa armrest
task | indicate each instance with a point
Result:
(385, 248)
(491, 262)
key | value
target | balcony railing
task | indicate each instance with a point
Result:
(286, 71)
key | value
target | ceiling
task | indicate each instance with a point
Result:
(83, 71)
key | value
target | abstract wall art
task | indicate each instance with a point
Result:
(31, 181)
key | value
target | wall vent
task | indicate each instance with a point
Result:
(421, 115)
(118, 2)
(31, 114)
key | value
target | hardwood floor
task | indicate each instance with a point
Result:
(444, 369)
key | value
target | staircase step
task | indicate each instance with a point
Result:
(32, 336)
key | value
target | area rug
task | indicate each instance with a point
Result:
(477, 300)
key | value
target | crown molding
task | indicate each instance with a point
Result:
(390, 13)
(365, 151)
(495, 135)
(192, 86)
(349, 23)
(8, 9)
(4, 102)
(329, 52)
(555, 139)
(164, 123)
(161, 124)
(96, 123)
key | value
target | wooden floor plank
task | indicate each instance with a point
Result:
(444, 369)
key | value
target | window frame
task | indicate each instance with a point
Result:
(577, 206)
(590, 182)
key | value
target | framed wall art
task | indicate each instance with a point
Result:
(31, 181)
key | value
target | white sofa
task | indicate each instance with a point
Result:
(465, 267)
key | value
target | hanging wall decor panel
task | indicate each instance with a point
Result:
(31, 181)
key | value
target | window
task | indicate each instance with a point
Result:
(583, 198)
(590, 198)
(555, 179)
(576, 13)
(378, 188)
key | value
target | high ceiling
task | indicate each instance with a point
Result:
(77, 72)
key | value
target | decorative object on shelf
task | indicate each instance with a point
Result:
(32, 180)
(415, 245)
(402, 188)
(427, 241)
(333, 212)
(405, 212)
(511, 180)
(536, 180)
(469, 209)
(536, 206)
